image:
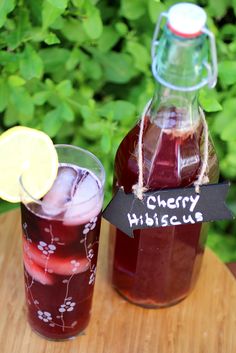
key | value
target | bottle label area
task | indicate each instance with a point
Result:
(169, 207)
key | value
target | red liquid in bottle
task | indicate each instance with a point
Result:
(158, 267)
(60, 265)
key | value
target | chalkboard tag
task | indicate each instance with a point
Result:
(169, 207)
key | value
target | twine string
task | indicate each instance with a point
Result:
(202, 176)
(139, 189)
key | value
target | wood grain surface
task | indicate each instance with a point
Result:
(203, 323)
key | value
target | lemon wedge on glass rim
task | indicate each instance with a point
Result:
(29, 153)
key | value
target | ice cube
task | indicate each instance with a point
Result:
(86, 202)
(60, 193)
(86, 188)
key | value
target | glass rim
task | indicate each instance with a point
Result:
(30, 198)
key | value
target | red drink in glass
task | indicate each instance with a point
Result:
(60, 247)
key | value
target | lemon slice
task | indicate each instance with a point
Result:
(28, 153)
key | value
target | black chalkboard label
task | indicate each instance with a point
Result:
(168, 207)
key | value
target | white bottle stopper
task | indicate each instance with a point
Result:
(186, 20)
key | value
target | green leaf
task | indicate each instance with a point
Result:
(51, 39)
(54, 59)
(9, 61)
(91, 69)
(234, 6)
(119, 110)
(16, 81)
(66, 113)
(223, 245)
(36, 35)
(85, 93)
(73, 30)
(225, 123)
(35, 10)
(227, 169)
(232, 149)
(105, 142)
(118, 67)
(50, 84)
(208, 101)
(65, 88)
(4, 93)
(108, 39)
(51, 11)
(121, 28)
(132, 10)
(57, 25)
(155, 7)
(11, 116)
(220, 10)
(6, 57)
(60, 4)
(92, 126)
(78, 3)
(41, 97)
(224, 118)
(73, 59)
(92, 24)
(232, 46)
(227, 72)
(228, 31)
(231, 158)
(140, 54)
(86, 112)
(52, 122)
(228, 133)
(23, 104)
(21, 30)
(31, 65)
(6, 6)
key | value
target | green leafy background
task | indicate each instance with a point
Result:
(80, 71)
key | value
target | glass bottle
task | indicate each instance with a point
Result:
(159, 266)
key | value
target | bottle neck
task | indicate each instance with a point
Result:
(174, 110)
(180, 62)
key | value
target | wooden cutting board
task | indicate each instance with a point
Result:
(203, 323)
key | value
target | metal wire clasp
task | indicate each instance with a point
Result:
(155, 41)
(211, 67)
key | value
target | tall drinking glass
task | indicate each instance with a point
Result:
(60, 245)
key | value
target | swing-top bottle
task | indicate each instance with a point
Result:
(159, 266)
